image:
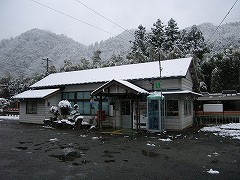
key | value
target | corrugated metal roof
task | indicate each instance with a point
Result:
(170, 68)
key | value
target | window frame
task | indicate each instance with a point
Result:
(31, 107)
(172, 112)
(84, 97)
(187, 108)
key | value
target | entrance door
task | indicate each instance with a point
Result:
(126, 114)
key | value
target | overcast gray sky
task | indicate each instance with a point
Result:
(18, 16)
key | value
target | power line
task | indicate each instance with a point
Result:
(104, 17)
(77, 19)
(221, 22)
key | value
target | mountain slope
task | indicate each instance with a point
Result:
(119, 44)
(227, 35)
(23, 55)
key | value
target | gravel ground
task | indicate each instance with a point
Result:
(37, 152)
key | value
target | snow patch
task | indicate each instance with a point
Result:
(53, 140)
(9, 117)
(211, 171)
(149, 144)
(227, 130)
(83, 135)
(93, 138)
(165, 140)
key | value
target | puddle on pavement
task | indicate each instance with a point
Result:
(25, 142)
(70, 156)
(81, 163)
(83, 148)
(110, 153)
(21, 148)
(166, 147)
(149, 153)
(109, 161)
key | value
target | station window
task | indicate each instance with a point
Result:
(31, 107)
(187, 107)
(125, 107)
(82, 98)
(172, 107)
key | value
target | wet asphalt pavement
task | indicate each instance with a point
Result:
(37, 152)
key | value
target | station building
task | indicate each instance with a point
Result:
(120, 93)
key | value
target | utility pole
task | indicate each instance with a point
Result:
(47, 67)
(160, 69)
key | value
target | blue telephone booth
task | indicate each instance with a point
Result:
(156, 112)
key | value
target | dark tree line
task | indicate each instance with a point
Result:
(222, 71)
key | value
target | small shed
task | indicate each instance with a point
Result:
(35, 104)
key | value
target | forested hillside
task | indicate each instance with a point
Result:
(225, 36)
(22, 63)
(23, 55)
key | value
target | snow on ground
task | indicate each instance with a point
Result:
(231, 130)
(166, 140)
(151, 144)
(9, 118)
(53, 139)
(211, 171)
(226, 130)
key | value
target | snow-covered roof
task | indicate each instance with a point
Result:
(125, 83)
(182, 92)
(158, 93)
(33, 94)
(132, 86)
(170, 68)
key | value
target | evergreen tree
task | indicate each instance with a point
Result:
(84, 64)
(207, 68)
(157, 36)
(195, 42)
(156, 40)
(226, 75)
(96, 59)
(52, 69)
(139, 52)
(183, 44)
(115, 60)
(172, 36)
(216, 81)
(68, 66)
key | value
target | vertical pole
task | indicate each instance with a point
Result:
(161, 100)
(160, 70)
(100, 114)
(47, 60)
(47, 66)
